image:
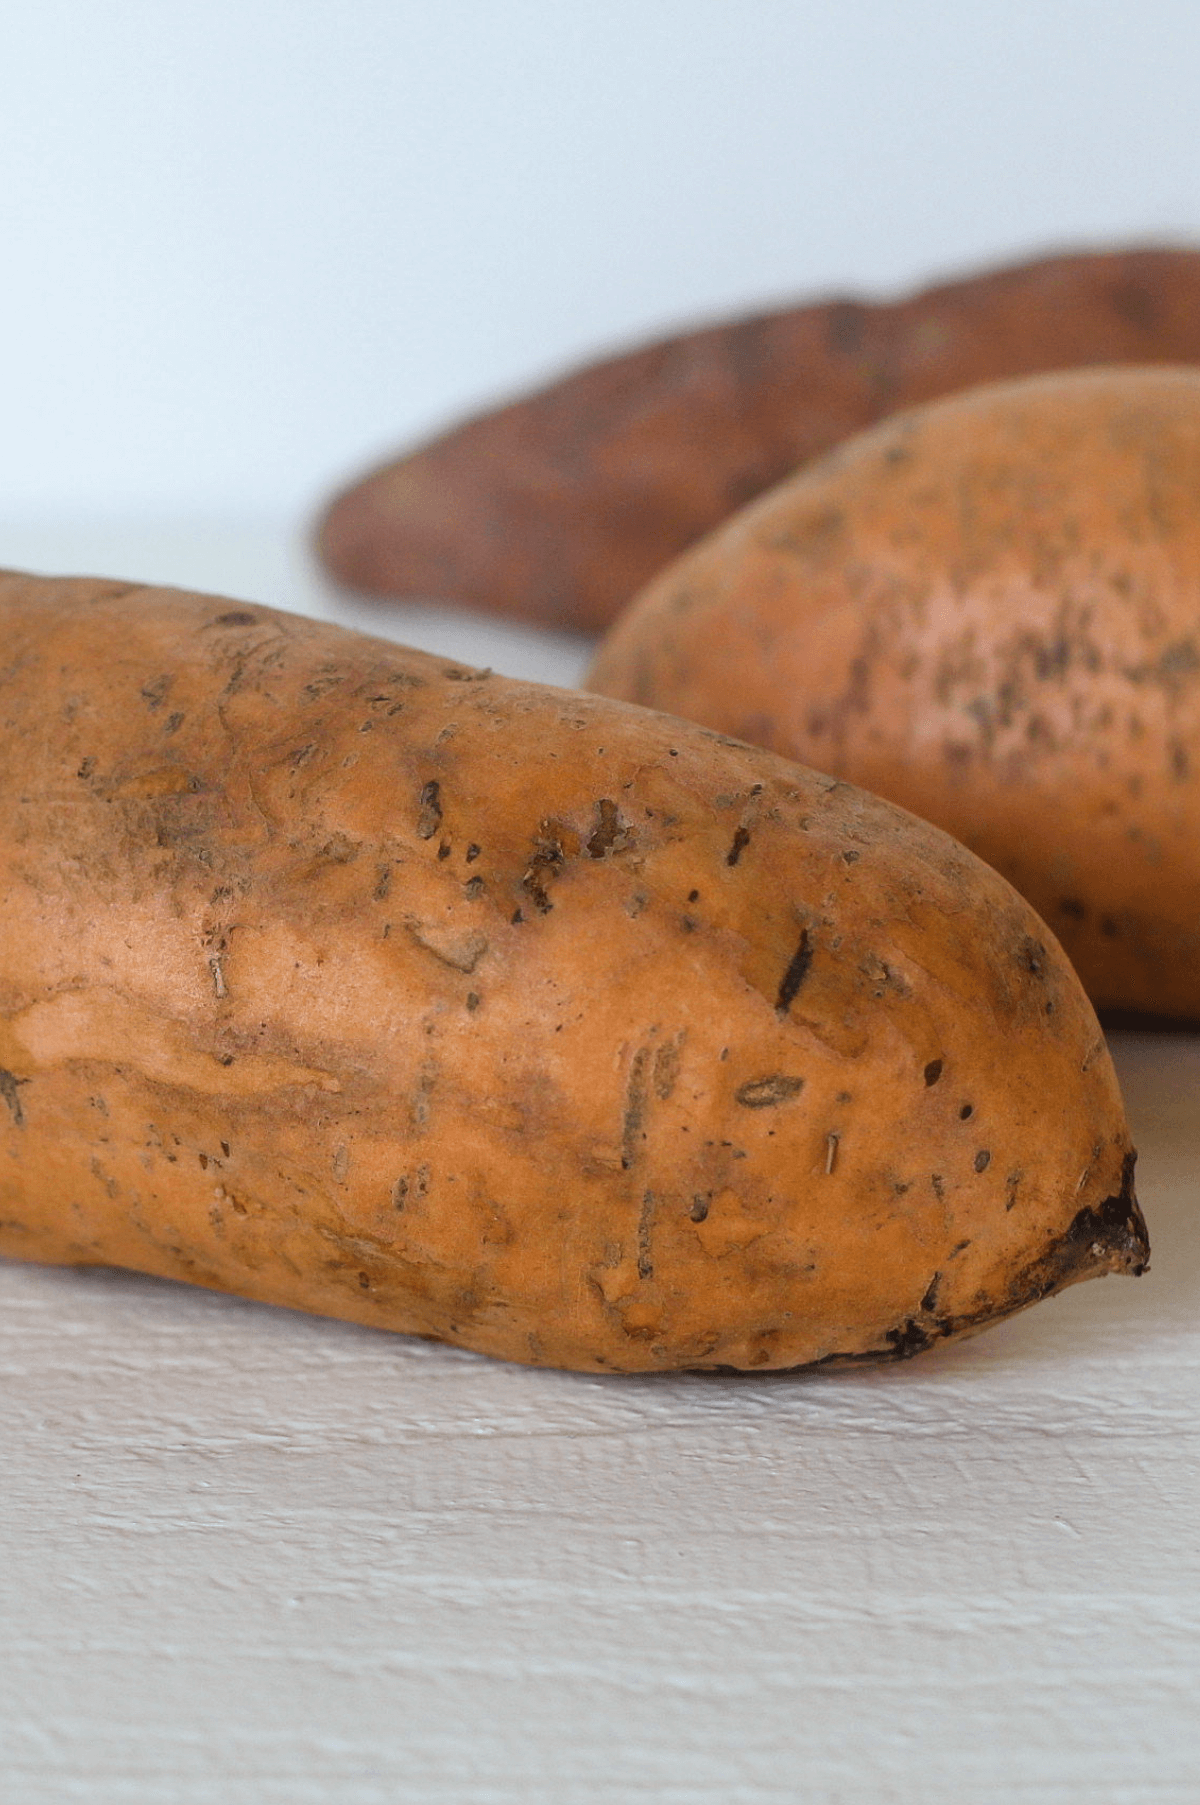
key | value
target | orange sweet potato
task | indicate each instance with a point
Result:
(345, 978)
(561, 505)
(988, 610)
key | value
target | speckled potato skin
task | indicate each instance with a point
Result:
(561, 505)
(343, 977)
(987, 610)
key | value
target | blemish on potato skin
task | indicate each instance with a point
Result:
(547, 860)
(797, 970)
(741, 839)
(610, 834)
(633, 1119)
(666, 1067)
(766, 1093)
(645, 1262)
(10, 1092)
(429, 817)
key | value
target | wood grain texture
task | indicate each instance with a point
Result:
(253, 1558)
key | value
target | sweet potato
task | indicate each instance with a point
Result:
(561, 505)
(346, 978)
(988, 610)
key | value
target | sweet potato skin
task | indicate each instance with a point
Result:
(561, 505)
(352, 980)
(985, 610)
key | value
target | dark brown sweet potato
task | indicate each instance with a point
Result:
(560, 506)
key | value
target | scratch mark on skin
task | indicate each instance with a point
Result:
(794, 976)
(218, 977)
(645, 1264)
(764, 1093)
(635, 1108)
(9, 1090)
(741, 839)
(666, 1067)
(832, 1142)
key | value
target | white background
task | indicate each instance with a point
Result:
(247, 245)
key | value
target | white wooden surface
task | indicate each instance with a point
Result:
(253, 1558)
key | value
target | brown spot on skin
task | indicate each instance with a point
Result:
(430, 815)
(547, 858)
(933, 1071)
(666, 1067)
(610, 835)
(765, 1093)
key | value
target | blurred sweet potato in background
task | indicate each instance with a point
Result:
(560, 506)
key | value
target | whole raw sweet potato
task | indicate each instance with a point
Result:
(561, 505)
(346, 978)
(989, 611)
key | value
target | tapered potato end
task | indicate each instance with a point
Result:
(1106, 1237)
(1109, 1237)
